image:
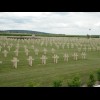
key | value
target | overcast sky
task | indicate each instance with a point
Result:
(77, 23)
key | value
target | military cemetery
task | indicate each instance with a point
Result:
(42, 58)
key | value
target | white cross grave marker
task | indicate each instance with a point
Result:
(44, 58)
(75, 56)
(9, 48)
(15, 60)
(56, 57)
(26, 51)
(83, 55)
(66, 56)
(36, 51)
(30, 59)
(5, 53)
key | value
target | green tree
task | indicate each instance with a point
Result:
(57, 83)
(98, 75)
(88, 36)
(91, 80)
(75, 82)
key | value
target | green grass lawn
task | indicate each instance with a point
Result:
(44, 75)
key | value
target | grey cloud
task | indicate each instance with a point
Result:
(55, 22)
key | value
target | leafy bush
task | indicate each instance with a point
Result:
(98, 75)
(91, 80)
(57, 83)
(75, 82)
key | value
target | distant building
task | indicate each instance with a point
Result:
(24, 37)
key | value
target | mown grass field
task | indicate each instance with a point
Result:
(44, 75)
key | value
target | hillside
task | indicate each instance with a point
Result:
(28, 32)
(37, 33)
(24, 31)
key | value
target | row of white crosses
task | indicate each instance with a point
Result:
(89, 49)
(75, 55)
(39, 41)
(71, 44)
(27, 51)
(51, 42)
(5, 52)
(30, 59)
(53, 50)
(9, 47)
(59, 39)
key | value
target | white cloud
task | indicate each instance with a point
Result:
(53, 22)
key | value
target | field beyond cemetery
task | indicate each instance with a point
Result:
(43, 75)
